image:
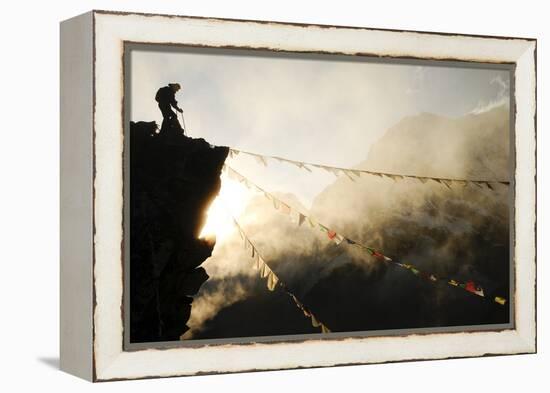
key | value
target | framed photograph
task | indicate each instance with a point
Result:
(248, 195)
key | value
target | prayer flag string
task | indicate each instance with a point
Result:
(300, 218)
(353, 174)
(273, 280)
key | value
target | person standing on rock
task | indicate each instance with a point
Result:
(166, 98)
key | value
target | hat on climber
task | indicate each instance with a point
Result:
(175, 86)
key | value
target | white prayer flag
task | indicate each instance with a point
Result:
(338, 239)
(348, 174)
(261, 160)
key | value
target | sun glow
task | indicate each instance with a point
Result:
(230, 202)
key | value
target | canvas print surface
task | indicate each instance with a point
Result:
(274, 195)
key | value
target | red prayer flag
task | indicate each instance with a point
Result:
(331, 234)
(470, 286)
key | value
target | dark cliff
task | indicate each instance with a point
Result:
(173, 180)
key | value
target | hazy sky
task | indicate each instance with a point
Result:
(325, 109)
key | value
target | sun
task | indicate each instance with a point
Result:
(230, 202)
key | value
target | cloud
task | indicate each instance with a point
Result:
(502, 96)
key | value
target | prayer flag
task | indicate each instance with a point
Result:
(264, 269)
(261, 160)
(453, 282)
(348, 174)
(338, 239)
(232, 174)
(330, 169)
(331, 234)
(298, 303)
(324, 329)
(314, 321)
(500, 300)
(272, 281)
(285, 209)
(471, 287)
(393, 177)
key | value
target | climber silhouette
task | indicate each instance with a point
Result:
(166, 98)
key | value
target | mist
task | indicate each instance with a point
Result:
(460, 232)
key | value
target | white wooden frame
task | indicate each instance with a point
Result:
(92, 195)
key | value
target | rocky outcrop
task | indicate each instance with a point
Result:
(173, 180)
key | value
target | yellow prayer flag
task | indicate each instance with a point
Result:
(312, 223)
(500, 300)
(272, 281)
(264, 269)
(314, 321)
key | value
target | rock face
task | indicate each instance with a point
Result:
(173, 180)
